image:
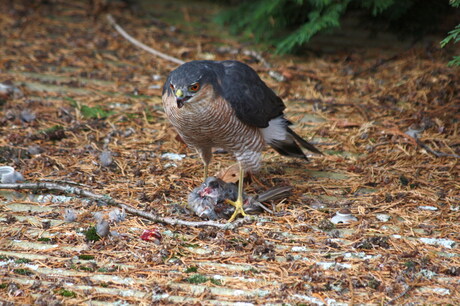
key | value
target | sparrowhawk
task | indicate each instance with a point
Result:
(225, 104)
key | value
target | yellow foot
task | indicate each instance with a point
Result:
(238, 209)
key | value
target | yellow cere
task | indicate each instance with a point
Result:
(179, 93)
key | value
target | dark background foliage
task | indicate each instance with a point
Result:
(289, 25)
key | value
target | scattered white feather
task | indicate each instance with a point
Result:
(106, 158)
(70, 215)
(102, 228)
(117, 215)
(173, 156)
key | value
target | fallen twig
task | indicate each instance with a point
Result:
(376, 65)
(68, 189)
(371, 148)
(141, 45)
(435, 153)
(274, 74)
(64, 182)
(352, 290)
(406, 290)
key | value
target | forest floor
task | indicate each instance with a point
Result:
(80, 105)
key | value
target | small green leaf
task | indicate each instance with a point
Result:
(199, 279)
(191, 269)
(84, 268)
(67, 293)
(196, 279)
(454, 62)
(52, 129)
(95, 112)
(91, 234)
(217, 282)
(23, 272)
(73, 102)
(86, 257)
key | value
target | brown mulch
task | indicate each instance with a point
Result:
(92, 91)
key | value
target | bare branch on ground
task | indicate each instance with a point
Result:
(137, 43)
(435, 153)
(68, 189)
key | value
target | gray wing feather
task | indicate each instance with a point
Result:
(253, 101)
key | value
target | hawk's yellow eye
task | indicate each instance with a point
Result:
(194, 87)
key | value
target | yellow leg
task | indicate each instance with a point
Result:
(205, 172)
(239, 202)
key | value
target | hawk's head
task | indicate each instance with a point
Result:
(188, 79)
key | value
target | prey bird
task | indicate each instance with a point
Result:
(225, 104)
(209, 200)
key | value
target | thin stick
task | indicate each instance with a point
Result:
(406, 290)
(435, 153)
(139, 44)
(67, 189)
(352, 290)
(377, 65)
(274, 74)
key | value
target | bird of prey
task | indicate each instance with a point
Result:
(225, 104)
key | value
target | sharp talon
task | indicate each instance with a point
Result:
(238, 209)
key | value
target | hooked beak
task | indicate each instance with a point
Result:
(180, 98)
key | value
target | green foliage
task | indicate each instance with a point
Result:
(319, 19)
(23, 272)
(410, 265)
(454, 36)
(269, 20)
(289, 24)
(22, 260)
(103, 270)
(215, 281)
(196, 279)
(191, 269)
(84, 268)
(85, 257)
(72, 101)
(377, 7)
(67, 293)
(199, 278)
(95, 112)
(53, 129)
(455, 3)
(455, 61)
(88, 112)
(91, 234)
